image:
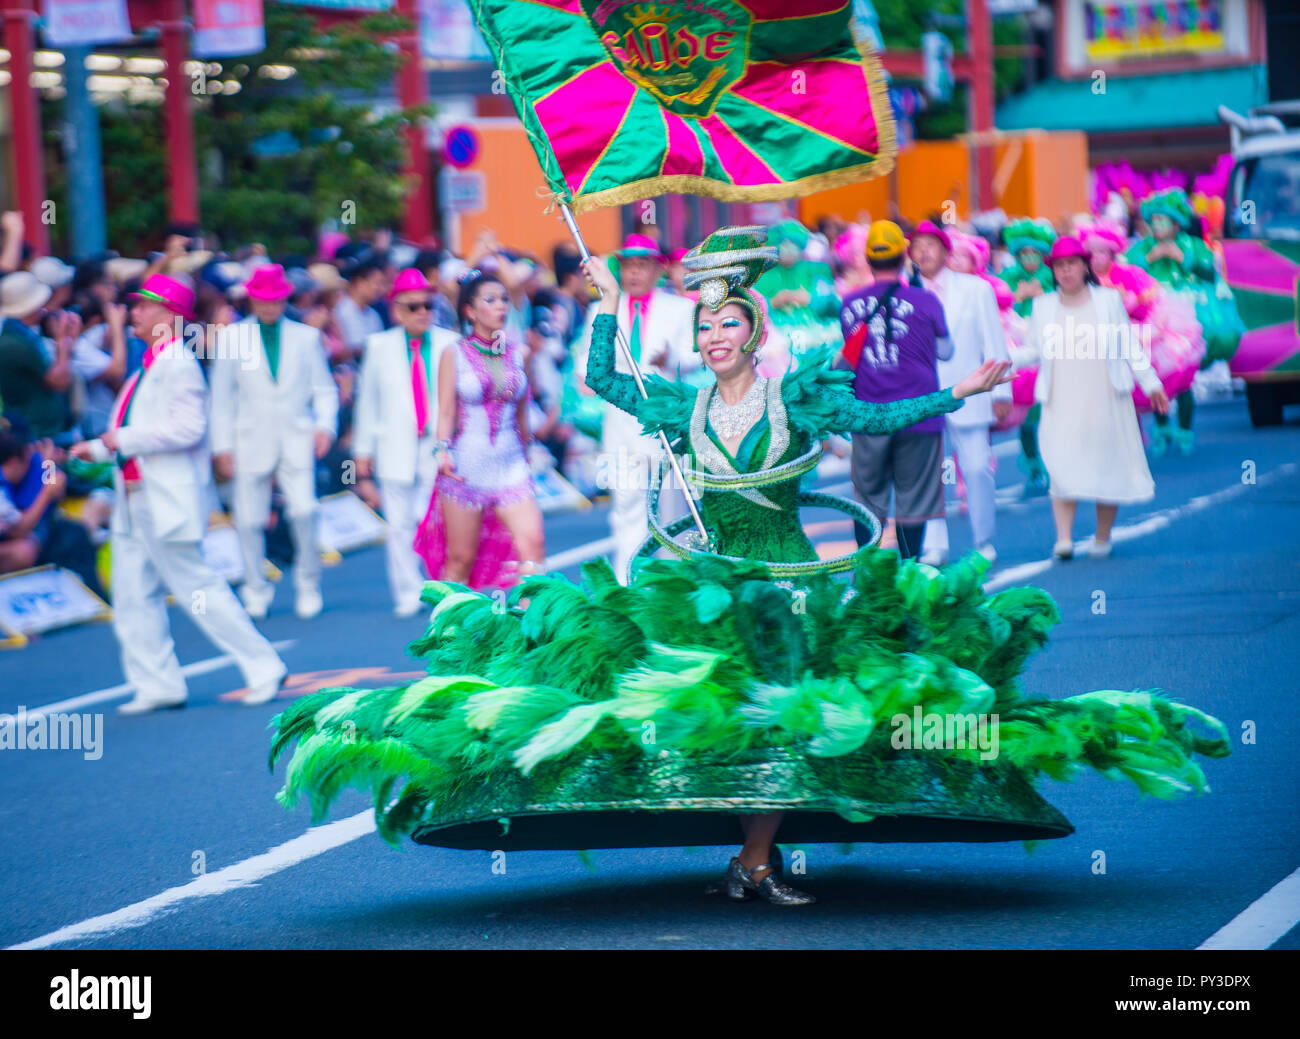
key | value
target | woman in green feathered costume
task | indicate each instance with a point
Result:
(651, 714)
(1181, 261)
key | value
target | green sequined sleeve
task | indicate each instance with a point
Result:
(841, 412)
(666, 406)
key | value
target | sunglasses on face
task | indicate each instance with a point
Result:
(426, 305)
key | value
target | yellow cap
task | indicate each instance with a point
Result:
(885, 240)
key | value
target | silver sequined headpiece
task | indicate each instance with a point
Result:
(725, 265)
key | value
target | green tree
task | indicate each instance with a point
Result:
(283, 157)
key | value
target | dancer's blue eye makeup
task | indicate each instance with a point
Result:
(731, 322)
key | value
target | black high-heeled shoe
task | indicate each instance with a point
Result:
(734, 889)
(770, 889)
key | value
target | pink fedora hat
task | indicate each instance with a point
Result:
(931, 228)
(269, 283)
(1065, 247)
(641, 245)
(410, 280)
(174, 294)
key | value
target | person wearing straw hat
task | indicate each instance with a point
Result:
(657, 327)
(158, 436)
(274, 413)
(30, 383)
(396, 432)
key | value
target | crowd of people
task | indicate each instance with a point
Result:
(435, 386)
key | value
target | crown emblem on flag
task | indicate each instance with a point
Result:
(649, 13)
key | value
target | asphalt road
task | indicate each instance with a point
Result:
(1202, 599)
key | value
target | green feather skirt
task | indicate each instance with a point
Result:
(599, 715)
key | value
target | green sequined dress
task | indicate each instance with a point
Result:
(598, 714)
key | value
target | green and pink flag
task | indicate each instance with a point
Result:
(739, 100)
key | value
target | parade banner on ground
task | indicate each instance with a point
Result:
(1119, 29)
(739, 100)
(46, 598)
(74, 23)
(228, 28)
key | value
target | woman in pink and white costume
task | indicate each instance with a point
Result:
(1170, 332)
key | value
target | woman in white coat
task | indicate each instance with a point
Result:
(1089, 356)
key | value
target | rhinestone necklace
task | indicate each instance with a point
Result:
(732, 420)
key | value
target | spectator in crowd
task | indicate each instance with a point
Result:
(11, 241)
(355, 311)
(546, 353)
(427, 262)
(321, 312)
(573, 294)
(894, 337)
(274, 413)
(99, 357)
(30, 383)
(971, 313)
(31, 533)
(396, 427)
(159, 437)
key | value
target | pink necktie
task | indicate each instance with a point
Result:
(420, 388)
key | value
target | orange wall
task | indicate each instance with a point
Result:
(514, 209)
(1047, 176)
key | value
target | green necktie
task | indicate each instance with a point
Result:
(271, 343)
(636, 331)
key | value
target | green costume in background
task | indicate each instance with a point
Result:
(1037, 235)
(605, 715)
(1198, 278)
(816, 323)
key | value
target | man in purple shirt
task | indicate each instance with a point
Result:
(894, 335)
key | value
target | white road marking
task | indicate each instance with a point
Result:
(1157, 521)
(580, 554)
(114, 692)
(314, 842)
(1262, 922)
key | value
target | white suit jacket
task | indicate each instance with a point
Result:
(668, 329)
(1049, 324)
(971, 312)
(261, 418)
(167, 435)
(385, 413)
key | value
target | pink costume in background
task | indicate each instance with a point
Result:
(851, 252)
(490, 456)
(1170, 333)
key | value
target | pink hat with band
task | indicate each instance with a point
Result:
(269, 283)
(641, 245)
(1065, 247)
(931, 228)
(410, 280)
(973, 246)
(172, 293)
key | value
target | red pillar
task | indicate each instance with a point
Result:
(413, 89)
(28, 152)
(182, 174)
(980, 41)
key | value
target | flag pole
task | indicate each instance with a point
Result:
(636, 375)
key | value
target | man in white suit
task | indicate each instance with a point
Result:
(657, 325)
(971, 311)
(158, 433)
(275, 412)
(395, 434)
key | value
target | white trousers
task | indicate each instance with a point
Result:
(144, 570)
(628, 519)
(404, 507)
(974, 453)
(251, 501)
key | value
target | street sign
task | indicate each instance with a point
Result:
(460, 147)
(464, 191)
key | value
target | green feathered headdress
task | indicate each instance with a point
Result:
(1173, 203)
(1029, 234)
(724, 266)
